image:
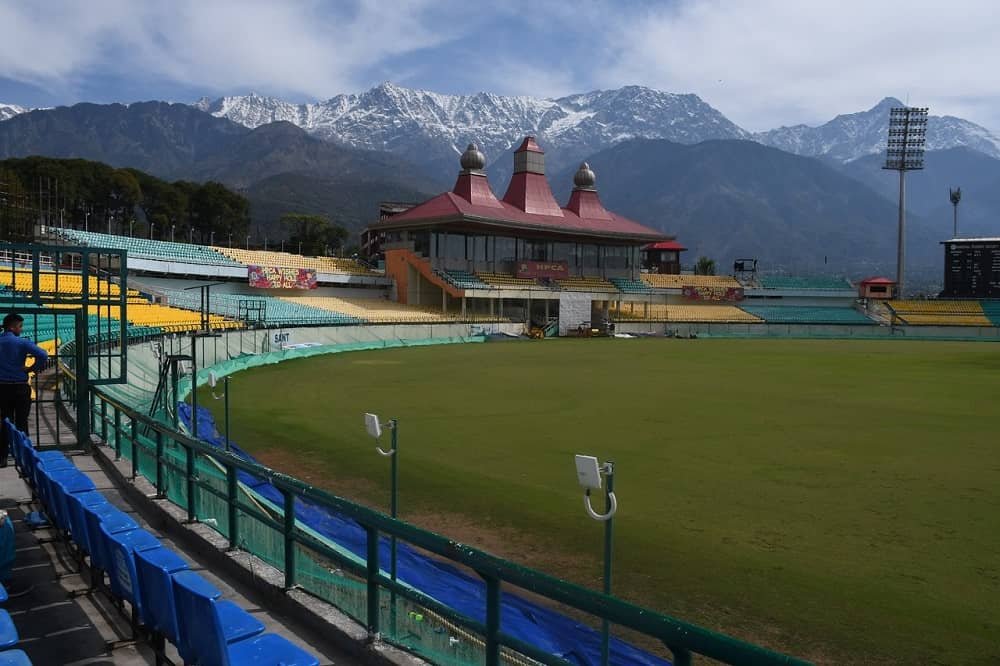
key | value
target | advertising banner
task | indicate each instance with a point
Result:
(542, 269)
(712, 293)
(270, 277)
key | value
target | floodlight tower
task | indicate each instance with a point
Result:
(956, 196)
(905, 152)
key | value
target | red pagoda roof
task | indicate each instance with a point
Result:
(448, 207)
(528, 203)
(877, 280)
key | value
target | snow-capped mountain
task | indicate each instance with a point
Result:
(10, 110)
(848, 137)
(430, 127)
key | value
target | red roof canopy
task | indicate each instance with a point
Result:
(877, 280)
(665, 245)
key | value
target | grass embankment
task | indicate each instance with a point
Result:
(839, 500)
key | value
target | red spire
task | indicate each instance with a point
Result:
(529, 190)
(475, 188)
(587, 205)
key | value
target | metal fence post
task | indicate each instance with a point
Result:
(492, 621)
(682, 656)
(372, 578)
(159, 465)
(232, 493)
(289, 534)
(135, 448)
(189, 474)
(118, 434)
(104, 421)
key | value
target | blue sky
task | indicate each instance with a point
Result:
(763, 64)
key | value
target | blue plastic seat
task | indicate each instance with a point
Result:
(32, 457)
(78, 523)
(120, 547)
(156, 587)
(117, 521)
(3, 595)
(41, 470)
(15, 444)
(14, 658)
(204, 621)
(264, 650)
(8, 632)
(64, 482)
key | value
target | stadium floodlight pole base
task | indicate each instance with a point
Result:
(610, 505)
(374, 427)
(590, 474)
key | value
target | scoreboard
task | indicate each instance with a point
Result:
(972, 268)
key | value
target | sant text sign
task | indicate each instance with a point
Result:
(693, 293)
(271, 277)
(542, 269)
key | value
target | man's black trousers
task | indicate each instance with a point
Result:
(15, 404)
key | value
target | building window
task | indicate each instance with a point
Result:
(564, 252)
(421, 242)
(456, 246)
(505, 249)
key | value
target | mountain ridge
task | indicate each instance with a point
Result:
(10, 110)
(397, 119)
(852, 136)
(438, 127)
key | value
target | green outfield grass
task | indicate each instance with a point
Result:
(839, 500)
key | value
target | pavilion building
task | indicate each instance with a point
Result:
(522, 255)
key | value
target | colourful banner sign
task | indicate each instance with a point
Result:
(542, 269)
(270, 277)
(712, 293)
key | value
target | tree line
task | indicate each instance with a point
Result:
(94, 196)
(81, 194)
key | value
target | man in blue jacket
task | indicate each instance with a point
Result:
(15, 392)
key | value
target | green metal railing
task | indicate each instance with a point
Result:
(203, 480)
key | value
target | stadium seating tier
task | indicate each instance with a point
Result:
(940, 313)
(820, 283)
(659, 312)
(785, 314)
(667, 281)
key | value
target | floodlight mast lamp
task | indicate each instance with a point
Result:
(589, 474)
(955, 196)
(905, 152)
(212, 382)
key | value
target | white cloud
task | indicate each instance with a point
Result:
(773, 62)
(763, 64)
(296, 47)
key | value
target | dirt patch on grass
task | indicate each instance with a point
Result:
(505, 542)
(287, 462)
